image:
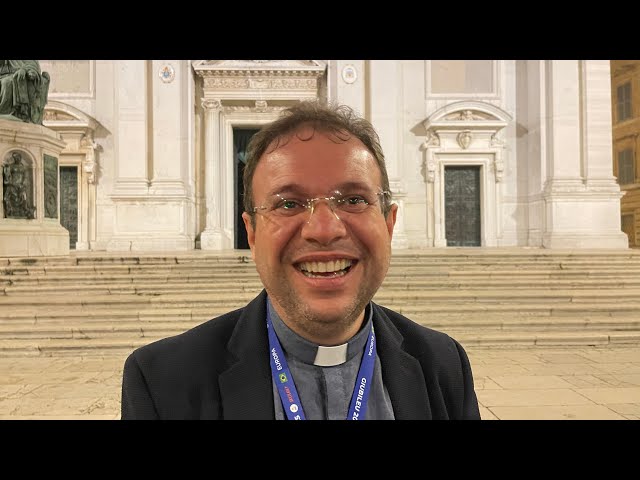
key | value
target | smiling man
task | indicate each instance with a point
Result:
(319, 217)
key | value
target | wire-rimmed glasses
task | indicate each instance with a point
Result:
(350, 203)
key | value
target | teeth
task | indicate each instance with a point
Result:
(324, 267)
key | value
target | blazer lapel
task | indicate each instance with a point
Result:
(401, 373)
(245, 388)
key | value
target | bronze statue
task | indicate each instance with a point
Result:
(24, 89)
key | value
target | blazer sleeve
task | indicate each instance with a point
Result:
(470, 409)
(137, 403)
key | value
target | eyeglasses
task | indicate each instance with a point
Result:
(352, 203)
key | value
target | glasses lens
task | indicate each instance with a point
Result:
(291, 206)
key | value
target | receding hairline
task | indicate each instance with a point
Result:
(336, 134)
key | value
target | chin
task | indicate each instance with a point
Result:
(328, 312)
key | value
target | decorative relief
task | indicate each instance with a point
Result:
(50, 186)
(464, 139)
(56, 115)
(431, 171)
(261, 106)
(89, 165)
(17, 180)
(349, 74)
(469, 116)
(496, 141)
(499, 170)
(260, 83)
(167, 73)
(226, 83)
(211, 104)
(432, 140)
(257, 73)
(466, 115)
(227, 65)
(287, 83)
(257, 108)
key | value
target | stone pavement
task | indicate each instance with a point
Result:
(574, 382)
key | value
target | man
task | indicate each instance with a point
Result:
(312, 345)
(23, 90)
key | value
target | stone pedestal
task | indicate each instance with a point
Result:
(30, 191)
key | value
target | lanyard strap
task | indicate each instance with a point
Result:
(287, 389)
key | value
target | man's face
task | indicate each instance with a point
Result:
(291, 253)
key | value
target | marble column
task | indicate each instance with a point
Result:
(87, 186)
(213, 237)
(582, 205)
(386, 116)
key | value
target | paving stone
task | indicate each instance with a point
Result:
(607, 395)
(530, 381)
(527, 397)
(557, 412)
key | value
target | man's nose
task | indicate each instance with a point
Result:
(323, 224)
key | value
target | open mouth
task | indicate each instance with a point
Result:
(330, 269)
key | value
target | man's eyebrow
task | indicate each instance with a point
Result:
(286, 189)
(355, 185)
(294, 189)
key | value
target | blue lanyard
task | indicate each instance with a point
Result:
(287, 389)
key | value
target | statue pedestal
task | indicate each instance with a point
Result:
(30, 191)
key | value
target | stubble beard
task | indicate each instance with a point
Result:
(299, 316)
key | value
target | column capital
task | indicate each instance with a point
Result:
(211, 104)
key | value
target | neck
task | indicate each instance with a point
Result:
(324, 333)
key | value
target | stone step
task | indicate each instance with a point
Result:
(210, 296)
(155, 278)
(485, 261)
(396, 259)
(631, 309)
(191, 285)
(89, 302)
(487, 257)
(101, 328)
(446, 252)
(452, 315)
(400, 276)
(29, 314)
(99, 346)
(505, 340)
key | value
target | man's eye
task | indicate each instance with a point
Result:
(289, 204)
(354, 200)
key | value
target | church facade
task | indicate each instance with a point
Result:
(482, 153)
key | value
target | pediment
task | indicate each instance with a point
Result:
(467, 115)
(259, 67)
(58, 114)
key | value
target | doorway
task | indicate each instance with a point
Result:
(69, 202)
(241, 137)
(462, 206)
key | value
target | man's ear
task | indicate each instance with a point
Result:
(391, 218)
(251, 234)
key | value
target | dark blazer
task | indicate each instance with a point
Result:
(220, 370)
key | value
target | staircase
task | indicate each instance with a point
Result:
(96, 303)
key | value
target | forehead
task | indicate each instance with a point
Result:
(316, 162)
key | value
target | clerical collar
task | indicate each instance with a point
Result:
(313, 354)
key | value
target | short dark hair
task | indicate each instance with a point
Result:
(339, 120)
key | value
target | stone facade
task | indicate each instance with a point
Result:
(625, 107)
(153, 146)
